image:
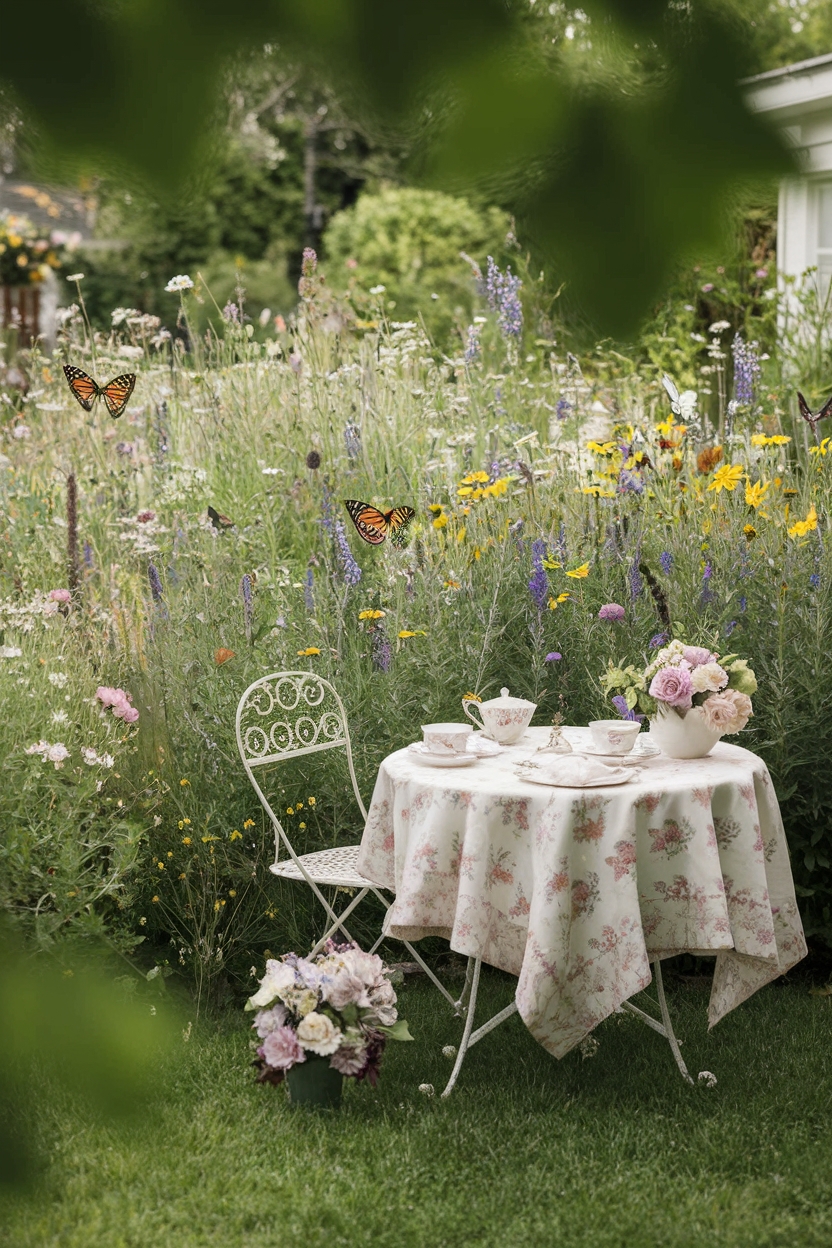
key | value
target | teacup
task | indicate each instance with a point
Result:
(446, 738)
(614, 736)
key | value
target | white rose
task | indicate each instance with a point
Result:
(708, 678)
(318, 1034)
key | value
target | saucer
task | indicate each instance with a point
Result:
(440, 760)
(637, 754)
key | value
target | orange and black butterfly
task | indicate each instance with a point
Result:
(115, 394)
(218, 520)
(374, 525)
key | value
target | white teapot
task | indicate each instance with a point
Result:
(503, 719)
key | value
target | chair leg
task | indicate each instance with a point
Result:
(415, 956)
(469, 1023)
(338, 925)
(460, 1005)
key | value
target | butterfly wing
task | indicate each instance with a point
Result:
(117, 392)
(82, 386)
(398, 522)
(672, 393)
(825, 411)
(369, 521)
(805, 409)
(218, 520)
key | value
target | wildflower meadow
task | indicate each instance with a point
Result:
(569, 514)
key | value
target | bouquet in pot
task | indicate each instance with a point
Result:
(682, 677)
(341, 1005)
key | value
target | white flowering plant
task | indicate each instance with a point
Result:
(682, 677)
(342, 1006)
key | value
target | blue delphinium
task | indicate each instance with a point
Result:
(539, 584)
(308, 590)
(350, 569)
(473, 347)
(502, 291)
(747, 369)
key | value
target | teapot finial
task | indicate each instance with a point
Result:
(504, 692)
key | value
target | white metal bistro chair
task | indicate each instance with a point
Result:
(467, 1005)
(285, 715)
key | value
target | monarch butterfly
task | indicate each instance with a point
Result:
(115, 394)
(813, 417)
(218, 520)
(374, 525)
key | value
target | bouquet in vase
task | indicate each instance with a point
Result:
(682, 678)
(341, 1006)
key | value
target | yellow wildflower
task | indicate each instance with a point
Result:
(727, 478)
(777, 439)
(310, 650)
(460, 537)
(232, 892)
(411, 632)
(290, 810)
(170, 853)
(371, 615)
(496, 488)
(184, 783)
(554, 603)
(301, 825)
(206, 839)
(821, 449)
(311, 801)
(475, 478)
(181, 875)
(248, 823)
(236, 836)
(160, 865)
(750, 532)
(802, 527)
(602, 448)
(449, 584)
(440, 521)
(471, 697)
(578, 574)
(754, 494)
(154, 898)
(186, 840)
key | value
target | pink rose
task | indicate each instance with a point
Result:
(60, 595)
(107, 696)
(119, 701)
(728, 711)
(281, 1049)
(697, 655)
(345, 989)
(672, 685)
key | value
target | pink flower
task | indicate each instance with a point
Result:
(697, 655)
(728, 711)
(672, 685)
(612, 611)
(281, 1049)
(345, 989)
(60, 595)
(119, 701)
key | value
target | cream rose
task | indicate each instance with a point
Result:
(708, 678)
(318, 1034)
(278, 978)
(727, 712)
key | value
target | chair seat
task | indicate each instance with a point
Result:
(328, 866)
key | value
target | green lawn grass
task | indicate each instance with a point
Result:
(601, 1152)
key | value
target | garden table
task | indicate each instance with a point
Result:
(578, 891)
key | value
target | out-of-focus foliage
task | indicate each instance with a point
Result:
(70, 1025)
(409, 241)
(617, 162)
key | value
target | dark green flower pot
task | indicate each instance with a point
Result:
(314, 1083)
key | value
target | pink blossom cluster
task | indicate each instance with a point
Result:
(684, 676)
(341, 1006)
(119, 701)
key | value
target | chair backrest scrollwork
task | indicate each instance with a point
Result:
(286, 715)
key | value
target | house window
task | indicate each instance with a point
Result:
(824, 234)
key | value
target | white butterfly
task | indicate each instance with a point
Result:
(683, 404)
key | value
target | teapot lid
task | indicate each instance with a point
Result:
(507, 703)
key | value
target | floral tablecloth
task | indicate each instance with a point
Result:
(574, 890)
